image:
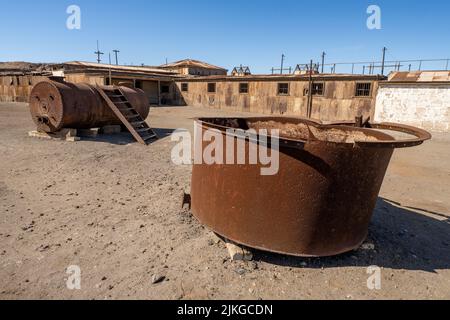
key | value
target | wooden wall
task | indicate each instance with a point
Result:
(85, 78)
(17, 88)
(337, 103)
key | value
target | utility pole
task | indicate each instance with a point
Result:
(98, 53)
(310, 93)
(117, 60)
(109, 71)
(384, 59)
(323, 60)
(282, 62)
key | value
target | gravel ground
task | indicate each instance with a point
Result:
(113, 208)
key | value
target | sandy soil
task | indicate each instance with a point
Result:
(112, 207)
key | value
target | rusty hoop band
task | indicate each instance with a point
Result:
(387, 140)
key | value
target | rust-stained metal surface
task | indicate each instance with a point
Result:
(56, 104)
(322, 199)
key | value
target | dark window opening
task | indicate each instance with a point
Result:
(243, 87)
(18, 81)
(164, 89)
(317, 89)
(283, 88)
(184, 87)
(363, 89)
(211, 88)
(138, 84)
(107, 82)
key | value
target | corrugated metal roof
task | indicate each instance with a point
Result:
(420, 76)
(191, 63)
(118, 68)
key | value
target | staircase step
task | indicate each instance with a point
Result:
(133, 116)
(127, 109)
(137, 127)
(149, 137)
(137, 123)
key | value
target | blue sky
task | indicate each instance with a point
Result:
(224, 32)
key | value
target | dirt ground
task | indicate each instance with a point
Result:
(113, 208)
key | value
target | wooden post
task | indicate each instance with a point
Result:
(159, 92)
(310, 96)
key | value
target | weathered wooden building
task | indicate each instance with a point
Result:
(155, 82)
(335, 96)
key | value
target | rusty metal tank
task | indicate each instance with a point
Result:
(57, 104)
(321, 201)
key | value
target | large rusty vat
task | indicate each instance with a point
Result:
(57, 104)
(320, 202)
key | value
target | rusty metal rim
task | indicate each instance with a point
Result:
(420, 134)
(60, 115)
(387, 140)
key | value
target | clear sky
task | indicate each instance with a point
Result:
(224, 32)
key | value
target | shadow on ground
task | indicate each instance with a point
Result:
(125, 138)
(403, 239)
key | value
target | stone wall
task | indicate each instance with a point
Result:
(423, 105)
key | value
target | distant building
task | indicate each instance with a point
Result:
(304, 69)
(241, 71)
(194, 68)
(156, 83)
(16, 85)
(419, 98)
(18, 78)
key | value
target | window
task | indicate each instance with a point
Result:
(211, 88)
(164, 89)
(243, 88)
(283, 89)
(138, 84)
(317, 89)
(363, 89)
(184, 87)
